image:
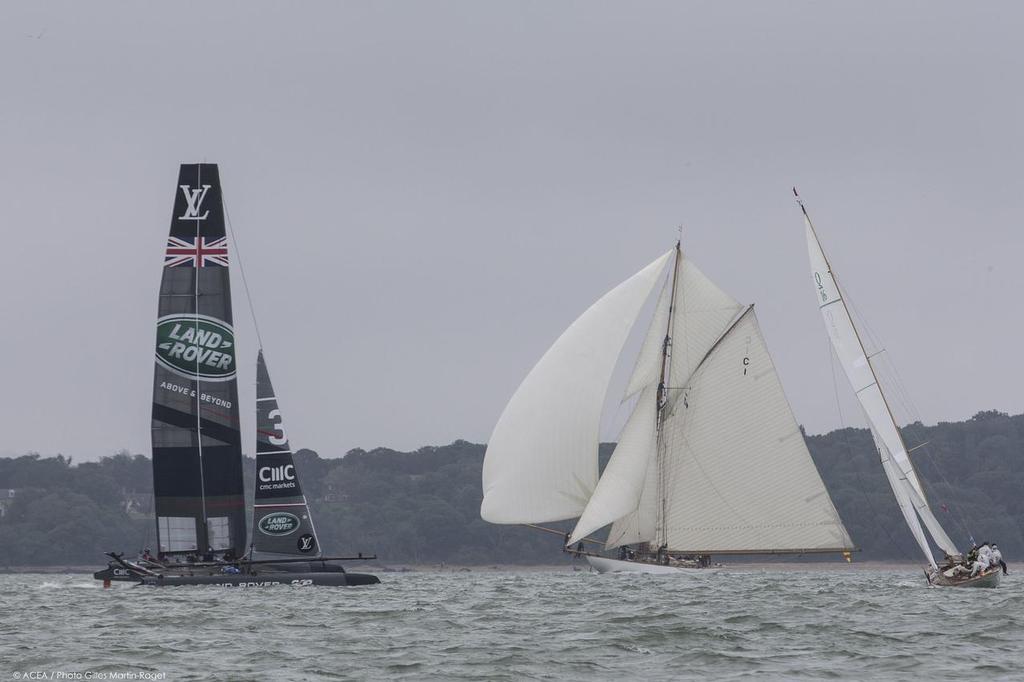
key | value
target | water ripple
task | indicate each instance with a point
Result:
(558, 625)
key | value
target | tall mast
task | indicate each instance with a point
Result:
(662, 396)
(203, 535)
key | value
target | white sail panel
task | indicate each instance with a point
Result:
(852, 357)
(541, 460)
(938, 533)
(640, 524)
(702, 314)
(737, 473)
(648, 362)
(857, 366)
(622, 482)
(901, 489)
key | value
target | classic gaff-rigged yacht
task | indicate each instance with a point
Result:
(197, 451)
(711, 460)
(892, 451)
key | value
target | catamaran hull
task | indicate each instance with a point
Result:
(605, 565)
(265, 580)
(990, 579)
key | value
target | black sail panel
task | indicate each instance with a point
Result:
(197, 480)
(282, 524)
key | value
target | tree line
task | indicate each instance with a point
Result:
(423, 506)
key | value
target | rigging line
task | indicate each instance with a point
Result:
(241, 268)
(199, 392)
(906, 403)
(845, 444)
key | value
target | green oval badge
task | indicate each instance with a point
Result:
(196, 347)
(278, 523)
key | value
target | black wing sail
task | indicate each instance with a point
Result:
(197, 454)
(281, 520)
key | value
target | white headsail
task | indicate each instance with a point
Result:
(541, 460)
(858, 368)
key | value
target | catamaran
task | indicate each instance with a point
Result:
(197, 447)
(711, 460)
(892, 450)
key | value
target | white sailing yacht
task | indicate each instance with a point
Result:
(711, 460)
(895, 458)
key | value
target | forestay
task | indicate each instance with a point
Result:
(541, 460)
(857, 366)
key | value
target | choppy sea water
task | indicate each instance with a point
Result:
(486, 625)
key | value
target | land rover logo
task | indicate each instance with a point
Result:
(279, 523)
(192, 346)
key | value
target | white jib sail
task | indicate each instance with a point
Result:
(622, 482)
(857, 366)
(541, 460)
(737, 473)
(639, 525)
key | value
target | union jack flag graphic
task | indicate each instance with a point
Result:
(196, 252)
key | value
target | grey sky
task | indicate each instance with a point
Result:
(425, 194)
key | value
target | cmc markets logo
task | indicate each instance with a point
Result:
(279, 523)
(196, 346)
(285, 472)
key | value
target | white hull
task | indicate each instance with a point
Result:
(604, 565)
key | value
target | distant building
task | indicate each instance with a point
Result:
(6, 498)
(137, 505)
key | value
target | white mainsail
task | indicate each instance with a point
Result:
(857, 365)
(736, 473)
(541, 460)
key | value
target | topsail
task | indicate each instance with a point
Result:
(197, 457)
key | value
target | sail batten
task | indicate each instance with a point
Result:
(541, 460)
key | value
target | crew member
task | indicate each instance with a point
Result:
(997, 558)
(981, 564)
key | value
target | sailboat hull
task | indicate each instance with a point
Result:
(265, 580)
(990, 579)
(605, 565)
